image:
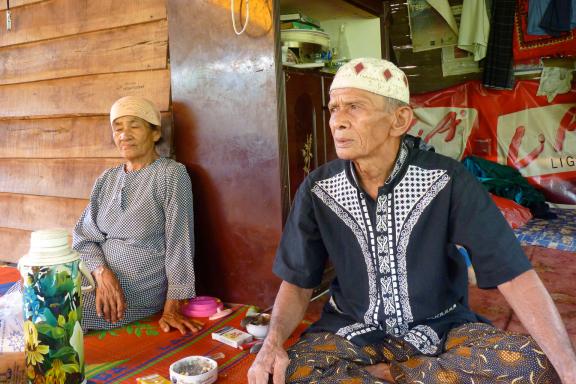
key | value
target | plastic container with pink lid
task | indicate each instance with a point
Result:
(202, 306)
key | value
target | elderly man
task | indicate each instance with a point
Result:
(388, 214)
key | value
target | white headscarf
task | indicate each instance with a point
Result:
(135, 106)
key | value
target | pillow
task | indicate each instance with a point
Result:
(515, 214)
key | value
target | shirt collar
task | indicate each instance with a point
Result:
(398, 166)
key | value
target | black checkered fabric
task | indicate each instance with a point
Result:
(498, 66)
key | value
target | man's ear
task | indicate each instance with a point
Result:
(402, 118)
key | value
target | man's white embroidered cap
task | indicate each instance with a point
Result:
(135, 106)
(373, 75)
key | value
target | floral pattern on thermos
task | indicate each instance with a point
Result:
(52, 314)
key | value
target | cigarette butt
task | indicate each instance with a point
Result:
(245, 346)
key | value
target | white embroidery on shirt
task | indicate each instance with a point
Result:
(388, 268)
(399, 163)
(407, 201)
(423, 338)
(372, 311)
(402, 245)
(359, 231)
(396, 216)
(410, 190)
(346, 195)
(443, 313)
(354, 330)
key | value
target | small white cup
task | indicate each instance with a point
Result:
(259, 331)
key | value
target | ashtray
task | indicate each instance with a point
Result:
(194, 370)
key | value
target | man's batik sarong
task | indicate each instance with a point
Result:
(473, 353)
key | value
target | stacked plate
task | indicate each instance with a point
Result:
(202, 306)
(295, 36)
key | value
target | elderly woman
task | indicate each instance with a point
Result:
(136, 235)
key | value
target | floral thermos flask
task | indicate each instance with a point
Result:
(52, 274)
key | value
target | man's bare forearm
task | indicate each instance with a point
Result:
(534, 307)
(289, 309)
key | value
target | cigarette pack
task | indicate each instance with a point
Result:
(152, 379)
(231, 336)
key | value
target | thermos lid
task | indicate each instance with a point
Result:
(49, 247)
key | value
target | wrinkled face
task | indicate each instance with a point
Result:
(134, 137)
(360, 123)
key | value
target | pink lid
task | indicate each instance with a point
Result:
(202, 306)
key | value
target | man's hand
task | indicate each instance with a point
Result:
(110, 302)
(289, 308)
(173, 318)
(271, 360)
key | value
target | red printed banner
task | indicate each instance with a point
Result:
(514, 127)
(445, 127)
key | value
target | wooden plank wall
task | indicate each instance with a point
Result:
(61, 67)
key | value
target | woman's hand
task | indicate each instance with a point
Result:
(110, 301)
(173, 318)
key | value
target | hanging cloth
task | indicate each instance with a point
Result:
(536, 10)
(527, 45)
(474, 28)
(554, 81)
(498, 70)
(557, 18)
